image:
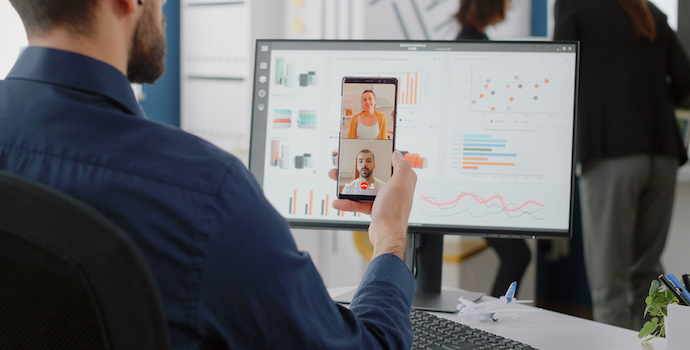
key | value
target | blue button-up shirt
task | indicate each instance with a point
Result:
(228, 268)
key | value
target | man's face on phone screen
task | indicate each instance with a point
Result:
(365, 164)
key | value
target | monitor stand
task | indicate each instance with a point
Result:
(425, 260)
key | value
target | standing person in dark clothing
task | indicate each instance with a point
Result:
(633, 73)
(514, 254)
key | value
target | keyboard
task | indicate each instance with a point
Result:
(435, 333)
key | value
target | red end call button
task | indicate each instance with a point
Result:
(364, 185)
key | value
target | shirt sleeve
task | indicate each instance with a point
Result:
(388, 285)
(679, 69)
(352, 134)
(259, 292)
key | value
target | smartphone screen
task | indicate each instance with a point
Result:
(367, 136)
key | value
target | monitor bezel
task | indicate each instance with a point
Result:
(257, 157)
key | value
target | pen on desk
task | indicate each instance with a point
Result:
(680, 286)
(686, 279)
(674, 290)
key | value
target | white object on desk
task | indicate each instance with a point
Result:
(677, 327)
(492, 309)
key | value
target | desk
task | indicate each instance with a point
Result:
(548, 330)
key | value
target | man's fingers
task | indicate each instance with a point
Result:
(402, 166)
(352, 206)
(398, 159)
(348, 205)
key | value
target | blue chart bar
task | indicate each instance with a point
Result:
(482, 147)
(489, 154)
(484, 140)
(484, 144)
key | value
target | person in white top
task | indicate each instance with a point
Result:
(369, 124)
(366, 183)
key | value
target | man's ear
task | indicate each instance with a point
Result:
(127, 6)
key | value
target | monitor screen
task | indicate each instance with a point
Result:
(487, 126)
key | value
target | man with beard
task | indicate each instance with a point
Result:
(366, 183)
(227, 266)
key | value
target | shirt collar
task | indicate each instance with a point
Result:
(76, 71)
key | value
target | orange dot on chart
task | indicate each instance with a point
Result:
(492, 108)
(508, 86)
(536, 85)
(481, 95)
(546, 80)
(511, 99)
(486, 86)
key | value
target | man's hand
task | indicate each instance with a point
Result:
(390, 210)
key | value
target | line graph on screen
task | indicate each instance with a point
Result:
(470, 205)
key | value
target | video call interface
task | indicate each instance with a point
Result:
(364, 154)
(488, 128)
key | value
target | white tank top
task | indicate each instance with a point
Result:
(368, 132)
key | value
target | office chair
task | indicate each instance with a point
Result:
(69, 278)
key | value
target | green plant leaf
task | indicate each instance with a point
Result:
(657, 302)
(646, 330)
(653, 287)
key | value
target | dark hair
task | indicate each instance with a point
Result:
(40, 16)
(478, 14)
(642, 21)
(365, 91)
(373, 157)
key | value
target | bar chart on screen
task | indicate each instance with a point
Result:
(297, 203)
(502, 153)
(409, 85)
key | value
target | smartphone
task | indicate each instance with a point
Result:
(369, 111)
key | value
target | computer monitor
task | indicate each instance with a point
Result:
(489, 128)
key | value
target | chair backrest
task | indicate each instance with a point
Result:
(69, 278)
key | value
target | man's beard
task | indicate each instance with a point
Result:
(365, 172)
(147, 57)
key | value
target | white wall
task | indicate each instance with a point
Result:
(391, 19)
(13, 37)
(670, 8)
